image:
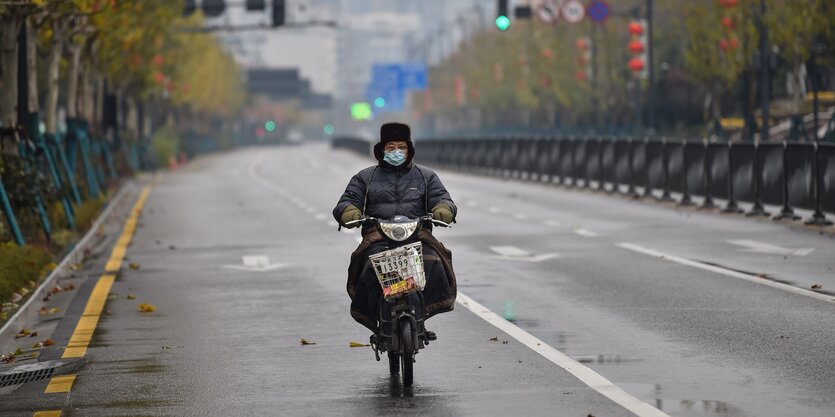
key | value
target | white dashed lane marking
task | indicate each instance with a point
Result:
(585, 233)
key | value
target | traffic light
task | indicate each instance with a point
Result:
(213, 8)
(638, 47)
(502, 17)
(278, 12)
(255, 5)
(189, 7)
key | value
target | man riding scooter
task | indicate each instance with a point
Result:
(396, 187)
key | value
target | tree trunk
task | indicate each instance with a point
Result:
(131, 118)
(9, 29)
(53, 74)
(32, 65)
(73, 81)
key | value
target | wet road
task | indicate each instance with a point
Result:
(574, 269)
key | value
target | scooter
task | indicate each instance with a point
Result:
(402, 277)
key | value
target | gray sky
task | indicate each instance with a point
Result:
(314, 49)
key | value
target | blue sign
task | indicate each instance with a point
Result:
(390, 83)
(413, 76)
(598, 11)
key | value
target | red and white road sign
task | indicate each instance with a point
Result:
(548, 11)
(573, 11)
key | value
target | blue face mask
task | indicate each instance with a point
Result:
(395, 158)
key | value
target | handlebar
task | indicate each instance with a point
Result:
(424, 218)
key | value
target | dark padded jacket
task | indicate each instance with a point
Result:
(384, 191)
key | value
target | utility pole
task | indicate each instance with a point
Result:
(650, 72)
(765, 63)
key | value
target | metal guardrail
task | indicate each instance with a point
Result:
(774, 173)
(358, 145)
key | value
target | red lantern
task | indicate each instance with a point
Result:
(583, 60)
(547, 53)
(636, 47)
(734, 43)
(157, 60)
(724, 45)
(728, 22)
(728, 3)
(159, 76)
(582, 44)
(135, 60)
(636, 28)
(636, 64)
(186, 88)
(581, 75)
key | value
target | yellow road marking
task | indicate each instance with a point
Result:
(80, 339)
(60, 383)
(48, 413)
(118, 253)
(83, 333)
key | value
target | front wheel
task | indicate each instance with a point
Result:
(407, 353)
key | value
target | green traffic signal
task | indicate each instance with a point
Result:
(502, 23)
(269, 126)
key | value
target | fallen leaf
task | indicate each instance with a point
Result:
(23, 291)
(166, 347)
(306, 342)
(4, 315)
(357, 344)
(133, 265)
(146, 308)
(7, 358)
(75, 267)
(34, 334)
(172, 247)
(504, 342)
(131, 297)
(494, 339)
(69, 287)
(42, 311)
(53, 310)
(18, 352)
(16, 297)
(23, 333)
(48, 342)
(817, 287)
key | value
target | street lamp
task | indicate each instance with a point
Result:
(818, 218)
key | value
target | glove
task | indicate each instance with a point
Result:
(443, 213)
(351, 213)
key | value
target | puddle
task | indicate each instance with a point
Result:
(654, 395)
(604, 359)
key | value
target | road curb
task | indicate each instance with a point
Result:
(28, 314)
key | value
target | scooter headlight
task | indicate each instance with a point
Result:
(399, 231)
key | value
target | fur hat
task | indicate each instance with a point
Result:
(391, 132)
(395, 131)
